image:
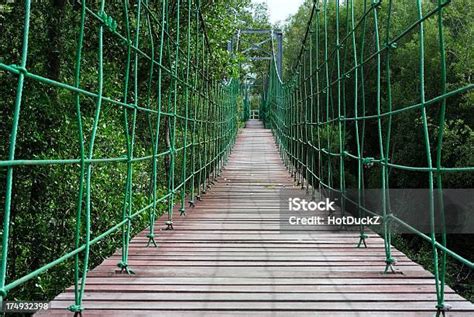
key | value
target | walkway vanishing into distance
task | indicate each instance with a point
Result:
(227, 257)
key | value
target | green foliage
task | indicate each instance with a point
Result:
(458, 152)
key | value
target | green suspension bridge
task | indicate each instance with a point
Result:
(217, 248)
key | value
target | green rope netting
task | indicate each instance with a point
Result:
(325, 105)
(192, 117)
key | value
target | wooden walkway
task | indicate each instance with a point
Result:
(227, 258)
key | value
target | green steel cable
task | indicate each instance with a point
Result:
(439, 145)
(152, 212)
(186, 114)
(172, 123)
(11, 151)
(77, 289)
(195, 115)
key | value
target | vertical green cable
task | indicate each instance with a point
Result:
(360, 168)
(154, 144)
(424, 119)
(151, 234)
(318, 96)
(340, 113)
(212, 139)
(389, 105)
(327, 92)
(172, 155)
(186, 122)
(80, 194)
(305, 146)
(11, 150)
(384, 170)
(291, 133)
(122, 263)
(202, 118)
(194, 138)
(78, 306)
(128, 206)
(439, 177)
(300, 125)
(207, 106)
(361, 136)
(311, 150)
(148, 99)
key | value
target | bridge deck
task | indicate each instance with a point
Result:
(226, 257)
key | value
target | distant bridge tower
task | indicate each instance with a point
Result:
(259, 46)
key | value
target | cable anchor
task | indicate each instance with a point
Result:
(363, 236)
(169, 225)
(151, 239)
(389, 263)
(125, 268)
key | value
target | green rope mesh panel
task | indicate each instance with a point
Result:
(345, 65)
(191, 117)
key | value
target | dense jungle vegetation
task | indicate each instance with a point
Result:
(44, 197)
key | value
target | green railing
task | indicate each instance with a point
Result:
(190, 116)
(341, 93)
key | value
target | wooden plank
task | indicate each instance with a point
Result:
(125, 280)
(265, 297)
(227, 257)
(257, 289)
(279, 272)
(113, 268)
(261, 305)
(273, 313)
